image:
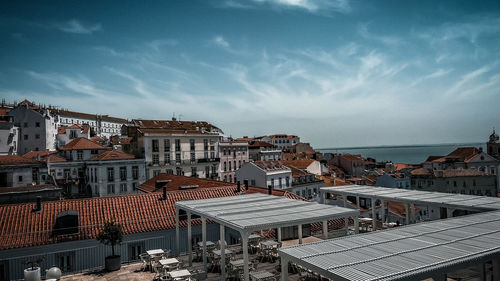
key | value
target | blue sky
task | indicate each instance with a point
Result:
(337, 73)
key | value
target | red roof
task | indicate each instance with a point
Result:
(299, 164)
(459, 173)
(20, 227)
(351, 157)
(53, 157)
(421, 172)
(81, 144)
(16, 160)
(62, 130)
(465, 153)
(112, 155)
(297, 173)
(259, 144)
(176, 182)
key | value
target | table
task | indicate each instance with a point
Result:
(179, 273)
(260, 275)
(209, 243)
(269, 243)
(254, 236)
(226, 251)
(155, 252)
(237, 263)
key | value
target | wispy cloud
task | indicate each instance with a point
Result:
(75, 26)
(220, 41)
(312, 6)
(158, 43)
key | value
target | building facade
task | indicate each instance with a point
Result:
(282, 141)
(9, 136)
(176, 147)
(233, 155)
(265, 174)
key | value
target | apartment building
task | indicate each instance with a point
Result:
(9, 136)
(265, 174)
(233, 155)
(189, 148)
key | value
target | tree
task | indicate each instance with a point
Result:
(111, 234)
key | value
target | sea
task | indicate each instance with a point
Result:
(408, 154)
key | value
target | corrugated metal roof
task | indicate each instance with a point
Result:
(449, 200)
(259, 211)
(412, 252)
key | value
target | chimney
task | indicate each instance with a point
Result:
(238, 187)
(270, 189)
(245, 182)
(165, 192)
(38, 207)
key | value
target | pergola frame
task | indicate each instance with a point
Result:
(254, 212)
(413, 252)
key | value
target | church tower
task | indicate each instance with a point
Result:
(493, 145)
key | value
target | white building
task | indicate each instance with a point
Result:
(89, 169)
(9, 136)
(265, 174)
(102, 125)
(37, 128)
(189, 148)
(66, 134)
(233, 155)
(282, 141)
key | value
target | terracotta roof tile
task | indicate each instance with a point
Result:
(81, 144)
(459, 173)
(299, 164)
(465, 153)
(15, 160)
(253, 144)
(20, 227)
(112, 155)
(176, 182)
(351, 157)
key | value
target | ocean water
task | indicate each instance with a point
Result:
(409, 154)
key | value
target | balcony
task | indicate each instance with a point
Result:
(208, 160)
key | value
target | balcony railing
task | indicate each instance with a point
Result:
(208, 160)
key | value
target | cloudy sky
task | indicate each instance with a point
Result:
(336, 72)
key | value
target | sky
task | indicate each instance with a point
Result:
(338, 73)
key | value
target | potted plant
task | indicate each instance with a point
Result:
(111, 234)
(32, 273)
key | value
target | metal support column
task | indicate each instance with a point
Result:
(284, 269)
(177, 243)
(190, 240)
(407, 213)
(300, 233)
(356, 224)
(279, 234)
(222, 253)
(496, 269)
(246, 270)
(204, 238)
(325, 230)
(374, 216)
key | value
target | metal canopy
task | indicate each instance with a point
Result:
(448, 200)
(246, 213)
(412, 252)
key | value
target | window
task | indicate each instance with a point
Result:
(134, 250)
(25, 137)
(177, 145)
(123, 173)
(225, 166)
(20, 178)
(230, 178)
(156, 172)
(154, 144)
(239, 164)
(252, 182)
(178, 158)
(225, 177)
(229, 165)
(37, 136)
(234, 164)
(156, 159)
(214, 170)
(123, 187)
(207, 172)
(212, 155)
(135, 172)
(205, 144)
(65, 261)
(25, 125)
(224, 151)
(111, 174)
(191, 144)
(280, 183)
(93, 151)
(193, 172)
(193, 157)
(79, 155)
(134, 186)
(166, 145)
(178, 171)
(111, 188)
(287, 181)
(167, 158)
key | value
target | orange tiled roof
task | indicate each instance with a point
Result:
(432, 158)
(297, 173)
(112, 155)
(173, 125)
(458, 173)
(351, 157)
(20, 227)
(15, 160)
(81, 144)
(421, 172)
(62, 130)
(175, 182)
(465, 153)
(35, 154)
(299, 164)
(253, 144)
